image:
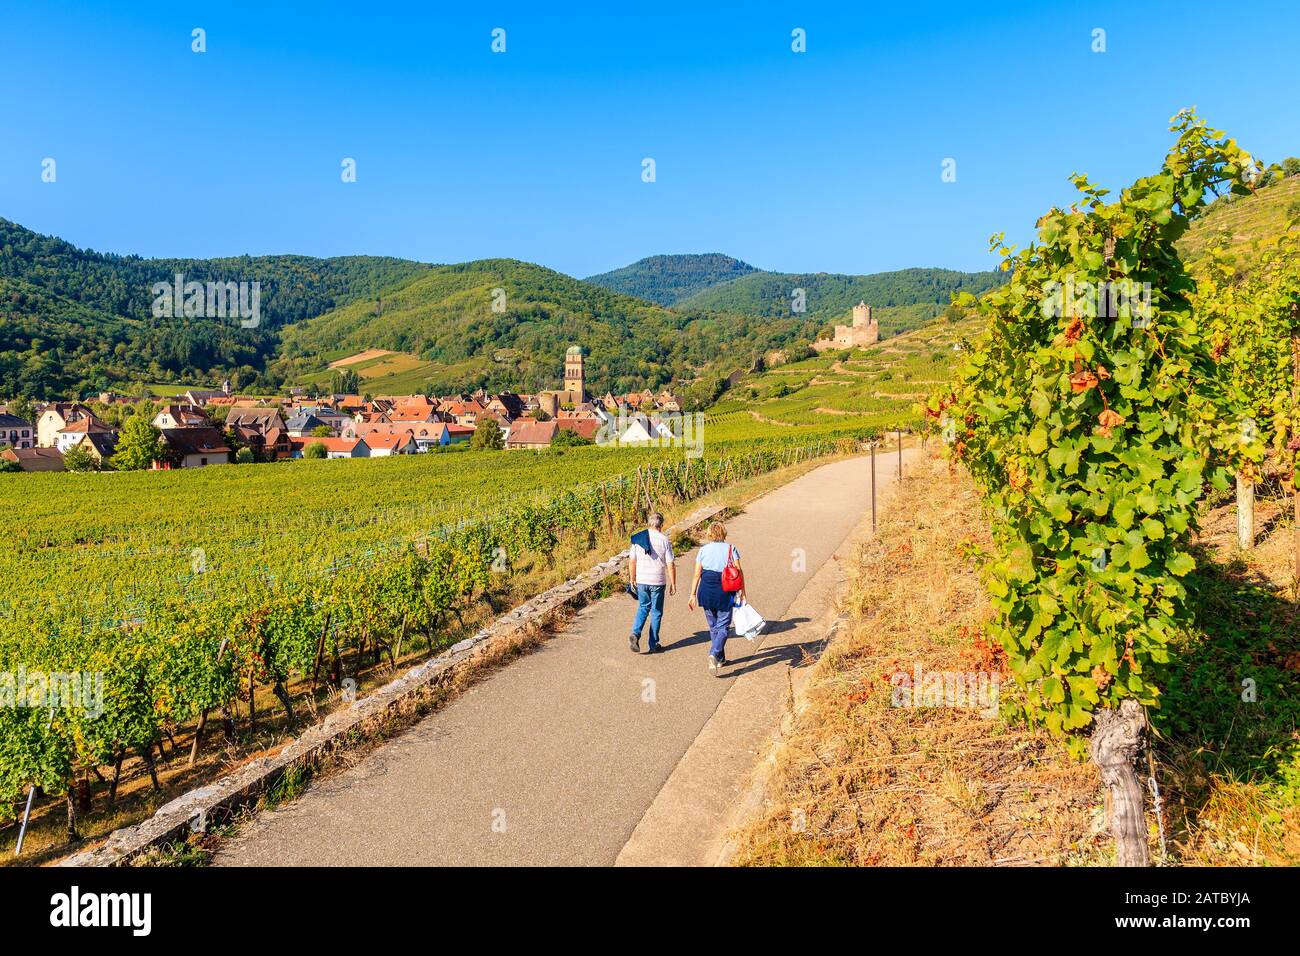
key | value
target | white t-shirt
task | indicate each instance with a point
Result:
(650, 565)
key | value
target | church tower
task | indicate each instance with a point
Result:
(575, 380)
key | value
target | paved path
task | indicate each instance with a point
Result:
(556, 758)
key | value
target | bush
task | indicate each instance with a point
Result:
(315, 450)
(566, 438)
(78, 459)
(487, 437)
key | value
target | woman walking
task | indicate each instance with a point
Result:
(717, 584)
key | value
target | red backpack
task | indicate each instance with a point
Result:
(733, 579)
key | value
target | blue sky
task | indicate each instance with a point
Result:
(828, 160)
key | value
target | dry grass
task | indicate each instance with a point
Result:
(861, 782)
(1230, 767)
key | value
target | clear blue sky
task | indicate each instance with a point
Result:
(824, 161)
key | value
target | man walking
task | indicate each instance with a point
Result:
(651, 568)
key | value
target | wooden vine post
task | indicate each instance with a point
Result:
(1245, 513)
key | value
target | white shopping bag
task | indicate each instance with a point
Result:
(747, 621)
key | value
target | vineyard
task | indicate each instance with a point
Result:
(152, 609)
(853, 391)
(1097, 421)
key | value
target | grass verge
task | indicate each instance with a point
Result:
(861, 781)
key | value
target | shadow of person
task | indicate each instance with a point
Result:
(778, 627)
(699, 637)
(794, 655)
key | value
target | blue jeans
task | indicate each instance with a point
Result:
(649, 601)
(719, 625)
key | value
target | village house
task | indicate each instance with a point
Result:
(465, 413)
(642, 428)
(382, 446)
(506, 405)
(56, 416)
(16, 432)
(587, 428)
(193, 448)
(272, 446)
(201, 397)
(72, 433)
(35, 459)
(99, 445)
(180, 416)
(531, 434)
(260, 419)
(304, 423)
(334, 447)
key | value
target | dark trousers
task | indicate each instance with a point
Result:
(719, 625)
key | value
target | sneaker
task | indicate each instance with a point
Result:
(713, 663)
(657, 649)
(634, 643)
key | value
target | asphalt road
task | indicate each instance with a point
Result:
(555, 759)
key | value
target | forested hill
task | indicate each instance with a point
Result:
(668, 280)
(447, 317)
(73, 320)
(902, 300)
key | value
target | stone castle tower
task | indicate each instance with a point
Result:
(864, 331)
(575, 379)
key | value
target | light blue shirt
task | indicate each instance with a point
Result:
(714, 555)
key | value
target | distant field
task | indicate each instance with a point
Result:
(359, 357)
(383, 372)
(167, 391)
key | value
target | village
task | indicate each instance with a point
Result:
(203, 427)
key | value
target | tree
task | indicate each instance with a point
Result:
(487, 437)
(322, 431)
(139, 445)
(1291, 166)
(568, 438)
(315, 450)
(77, 458)
(245, 456)
(24, 409)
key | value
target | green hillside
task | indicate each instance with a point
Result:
(853, 390)
(878, 387)
(1236, 221)
(902, 300)
(73, 320)
(446, 318)
(667, 280)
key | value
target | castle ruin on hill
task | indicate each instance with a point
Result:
(864, 331)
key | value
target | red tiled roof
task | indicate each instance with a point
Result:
(532, 433)
(586, 427)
